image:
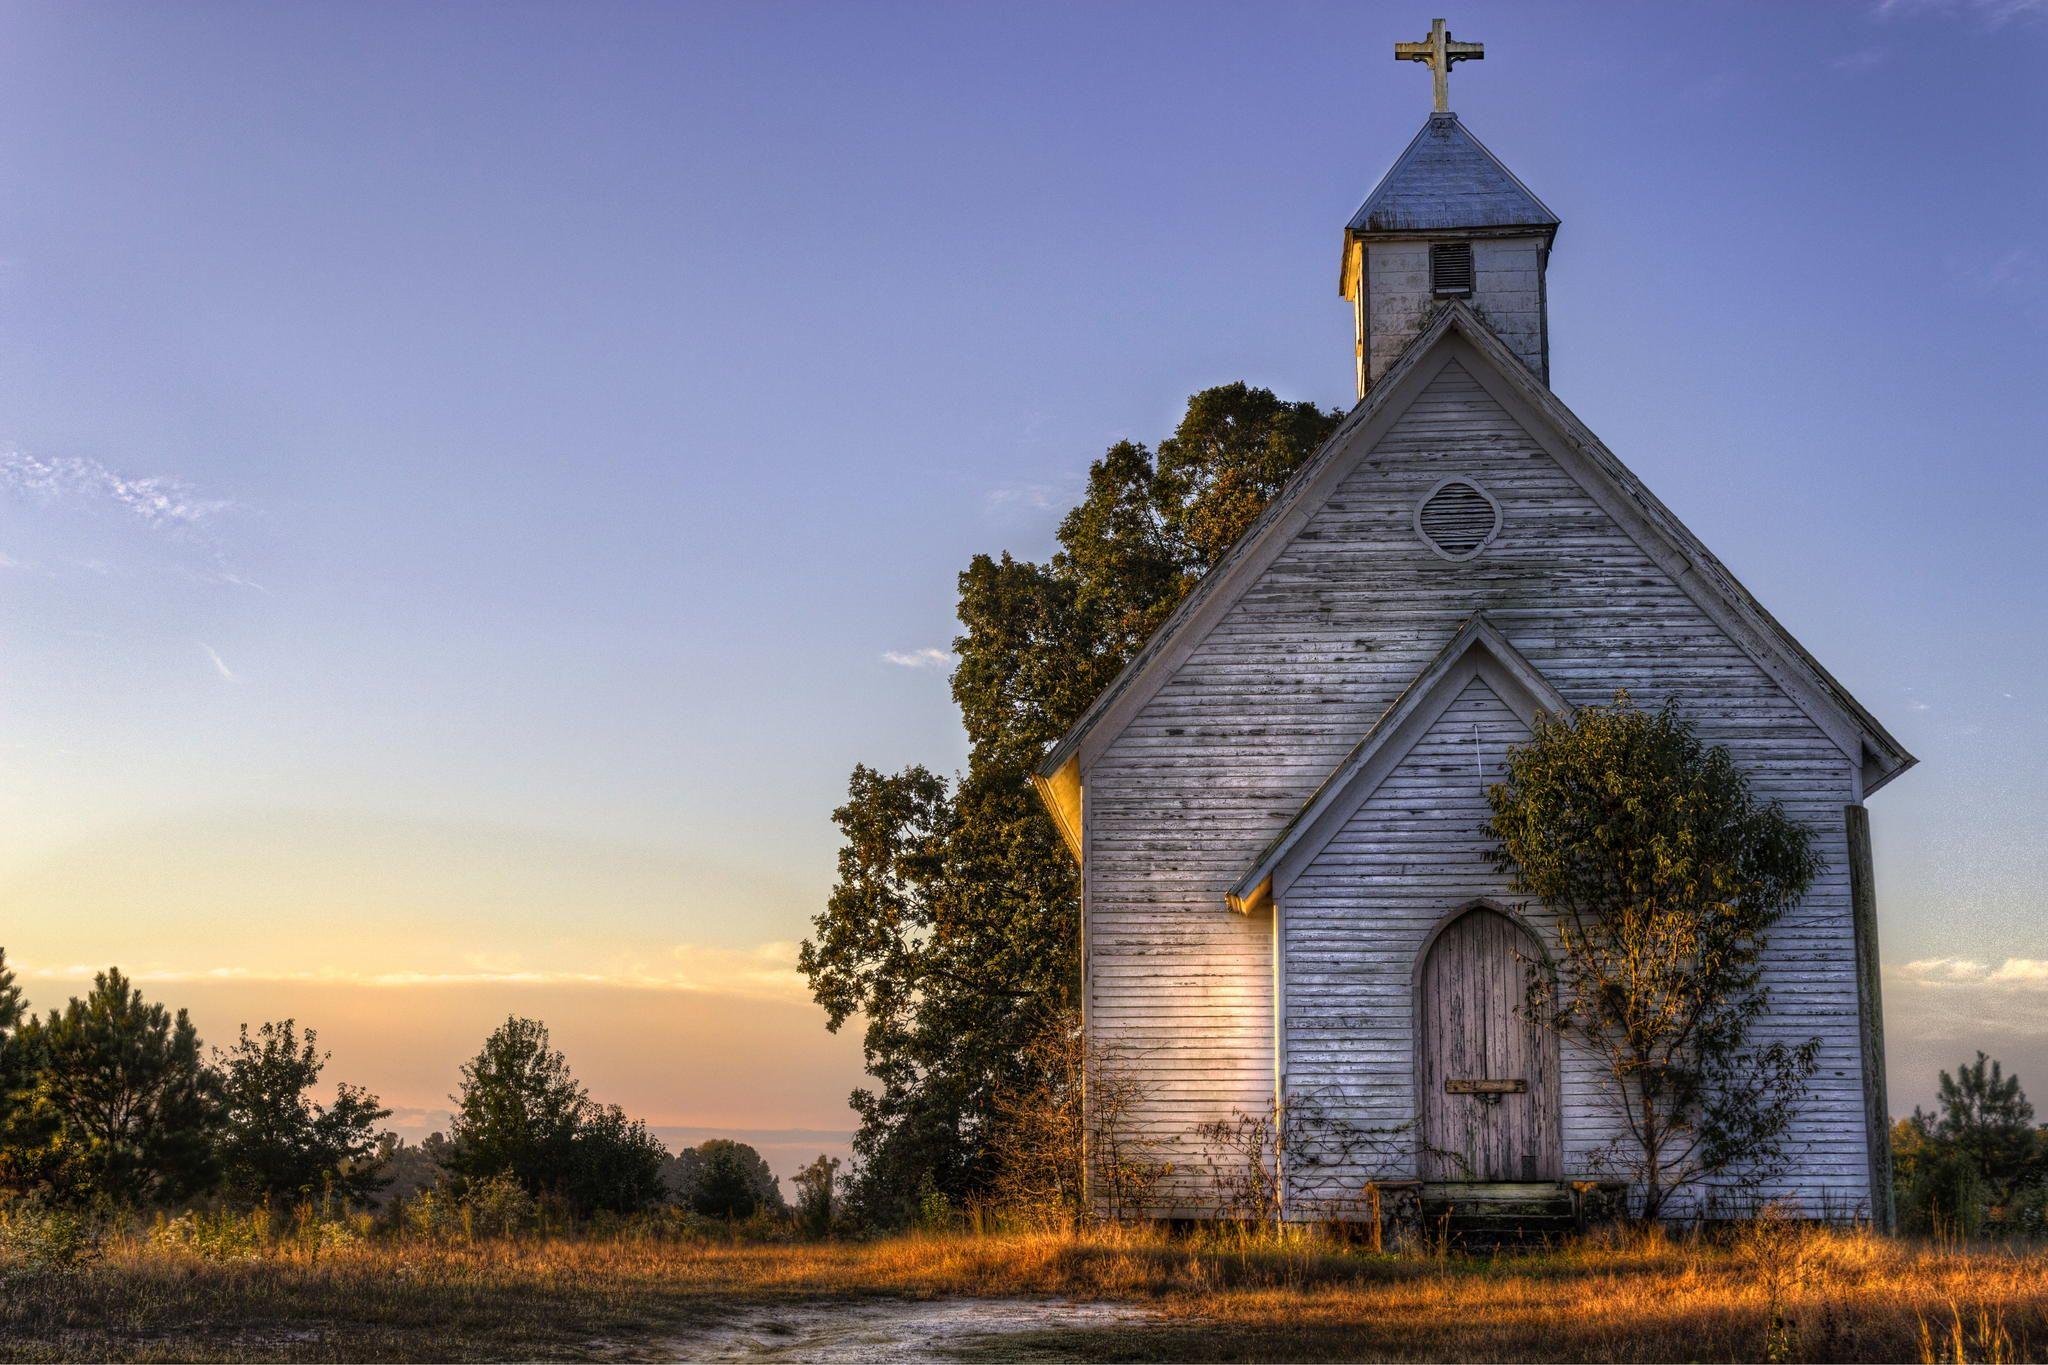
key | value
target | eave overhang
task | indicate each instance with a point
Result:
(1060, 792)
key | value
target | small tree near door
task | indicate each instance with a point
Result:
(1666, 875)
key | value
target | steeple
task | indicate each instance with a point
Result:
(1448, 221)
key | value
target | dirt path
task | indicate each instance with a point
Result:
(889, 1329)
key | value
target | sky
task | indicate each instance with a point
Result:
(475, 479)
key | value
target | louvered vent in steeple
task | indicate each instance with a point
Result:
(1450, 269)
(1458, 519)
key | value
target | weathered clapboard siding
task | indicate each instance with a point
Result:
(1507, 290)
(1225, 752)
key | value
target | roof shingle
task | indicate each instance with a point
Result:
(1448, 180)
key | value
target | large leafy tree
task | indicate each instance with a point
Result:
(721, 1178)
(277, 1142)
(618, 1162)
(521, 1113)
(953, 929)
(120, 1104)
(1666, 874)
(517, 1111)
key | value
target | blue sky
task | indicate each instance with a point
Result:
(468, 469)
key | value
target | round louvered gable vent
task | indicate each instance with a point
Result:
(1458, 519)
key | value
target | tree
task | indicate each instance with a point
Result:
(405, 1169)
(953, 929)
(1666, 876)
(17, 1128)
(13, 1009)
(618, 1163)
(815, 1208)
(123, 1106)
(521, 1114)
(276, 1142)
(721, 1178)
(1978, 1161)
(517, 1111)
(1985, 1116)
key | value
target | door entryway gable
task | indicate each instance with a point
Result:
(1486, 1070)
(1477, 649)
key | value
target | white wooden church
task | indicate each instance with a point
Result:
(1276, 806)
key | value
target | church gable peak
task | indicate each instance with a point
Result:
(1456, 341)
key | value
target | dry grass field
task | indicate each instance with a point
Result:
(1773, 1292)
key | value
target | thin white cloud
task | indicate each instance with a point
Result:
(167, 504)
(1862, 59)
(2017, 974)
(159, 505)
(766, 971)
(1037, 497)
(918, 658)
(1961, 1001)
(1939, 969)
(1989, 13)
(227, 674)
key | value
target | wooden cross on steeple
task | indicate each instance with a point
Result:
(1438, 51)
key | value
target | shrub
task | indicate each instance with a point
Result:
(934, 1209)
(42, 1240)
(219, 1235)
(498, 1207)
(434, 1213)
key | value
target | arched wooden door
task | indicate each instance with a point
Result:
(1487, 1072)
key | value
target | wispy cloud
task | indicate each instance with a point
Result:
(918, 658)
(2017, 278)
(2015, 973)
(167, 504)
(1033, 495)
(1862, 59)
(159, 505)
(1963, 1003)
(227, 674)
(1990, 13)
(766, 971)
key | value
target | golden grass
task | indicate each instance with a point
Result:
(1774, 1292)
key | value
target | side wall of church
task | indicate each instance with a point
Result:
(1507, 290)
(1298, 669)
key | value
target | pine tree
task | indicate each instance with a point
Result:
(120, 1101)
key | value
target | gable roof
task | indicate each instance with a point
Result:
(1446, 180)
(1457, 332)
(1476, 650)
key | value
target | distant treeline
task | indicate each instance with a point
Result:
(112, 1101)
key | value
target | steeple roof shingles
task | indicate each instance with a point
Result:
(1447, 181)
